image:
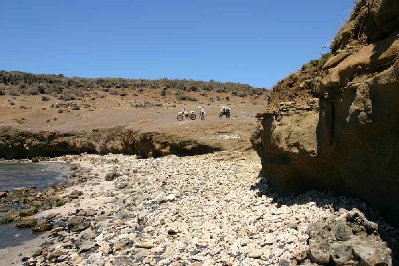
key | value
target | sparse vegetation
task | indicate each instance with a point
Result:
(33, 91)
(47, 84)
(45, 98)
(14, 92)
(180, 96)
(67, 97)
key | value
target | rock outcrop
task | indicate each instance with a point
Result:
(18, 144)
(347, 239)
(349, 142)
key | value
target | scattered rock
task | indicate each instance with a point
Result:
(42, 226)
(28, 212)
(27, 223)
(77, 224)
(55, 254)
(145, 244)
(121, 244)
(86, 246)
(333, 239)
(210, 216)
(75, 194)
(112, 175)
(255, 253)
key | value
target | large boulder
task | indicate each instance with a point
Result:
(347, 239)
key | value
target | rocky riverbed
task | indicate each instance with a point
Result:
(210, 209)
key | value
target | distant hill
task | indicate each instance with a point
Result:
(27, 83)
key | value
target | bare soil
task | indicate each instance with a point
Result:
(147, 111)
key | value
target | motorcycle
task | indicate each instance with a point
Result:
(225, 112)
(182, 115)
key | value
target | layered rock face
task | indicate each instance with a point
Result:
(18, 144)
(347, 140)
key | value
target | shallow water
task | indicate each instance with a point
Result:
(11, 236)
(25, 175)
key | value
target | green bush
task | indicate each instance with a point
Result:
(67, 97)
(23, 86)
(33, 91)
(14, 93)
(180, 96)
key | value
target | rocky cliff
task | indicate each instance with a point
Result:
(18, 144)
(340, 131)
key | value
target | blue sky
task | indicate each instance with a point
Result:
(257, 42)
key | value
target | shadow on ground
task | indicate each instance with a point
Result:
(326, 199)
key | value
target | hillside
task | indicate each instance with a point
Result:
(15, 82)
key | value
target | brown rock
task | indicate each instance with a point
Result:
(335, 60)
(144, 244)
(42, 226)
(27, 223)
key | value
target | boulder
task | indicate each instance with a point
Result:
(42, 226)
(332, 240)
(27, 223)
(112, 175)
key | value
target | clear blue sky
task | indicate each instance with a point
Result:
(257, 42)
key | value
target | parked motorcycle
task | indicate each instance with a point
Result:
(226, 112)
(182, 115)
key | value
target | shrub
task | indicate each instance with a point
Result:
(163, 93)
(242, 94)
(33, 91)
(114, 92)
(182, 97)
(67, 96)
(45, 98)
(23, 86)
(14, 93)
(227, 98)
(43, 89)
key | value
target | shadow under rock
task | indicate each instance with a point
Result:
(327, 199)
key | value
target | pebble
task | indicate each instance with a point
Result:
(198, 210)
(146, 245)
(255, 253)
(86, 246)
